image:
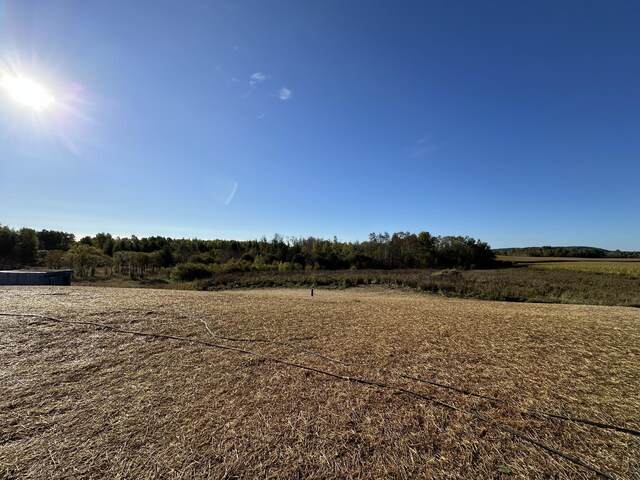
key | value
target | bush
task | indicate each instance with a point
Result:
(187, 272)
(234, 266)
(447, 272)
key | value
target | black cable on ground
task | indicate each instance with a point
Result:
(529, 412)
(536, 413)
(363, 381)
(274, 342)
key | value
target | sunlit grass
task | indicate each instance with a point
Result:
(630, 268)
(81, 401)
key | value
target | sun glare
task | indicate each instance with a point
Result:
(26, 92)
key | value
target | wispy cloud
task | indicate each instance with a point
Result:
(284, 94)
(234, 189)
(256, 79)
(424, 146)
(224, 74)
(261, 116)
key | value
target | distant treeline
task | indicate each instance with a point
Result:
(194, 258)
(579, 252)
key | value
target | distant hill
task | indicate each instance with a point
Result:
(580, 252)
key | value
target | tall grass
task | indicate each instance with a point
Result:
(513, 284)
(555, 283)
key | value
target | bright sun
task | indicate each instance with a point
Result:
(26, 92)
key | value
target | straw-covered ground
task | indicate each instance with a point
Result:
(81, 400)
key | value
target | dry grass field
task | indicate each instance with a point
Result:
(631, 269)
(526, 259)
(618, 266)
(98, 400)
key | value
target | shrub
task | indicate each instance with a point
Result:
(234, 266)
(187, 272)
(447, 272)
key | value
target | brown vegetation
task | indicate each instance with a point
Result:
(84, 401)
(591, 286)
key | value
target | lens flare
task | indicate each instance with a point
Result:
(26, 92)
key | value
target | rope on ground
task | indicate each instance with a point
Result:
(363, 381)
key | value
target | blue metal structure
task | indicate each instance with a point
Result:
(30, 277)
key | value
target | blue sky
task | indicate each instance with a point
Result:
(514, 122)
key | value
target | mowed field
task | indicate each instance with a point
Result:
(279, 384)
(631, 269)
(619, 266)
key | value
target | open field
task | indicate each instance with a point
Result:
(518, 284)
(82, 400)
(617, 266)
(524, 259)
(631, 269)
(630, 266)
